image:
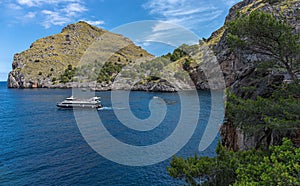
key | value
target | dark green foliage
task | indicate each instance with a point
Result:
(278, 165)
(219, 170)
(89, 71)
(51, 69)
(182, 51)
(177, 54)
(168, 55)
(155, 64)
(152, 78)
(68, 75)
(64, 79)
(70, 67)
(280, 112)
(264, 34)
(99, 72)
(186, 64)
(147, 71)
(109, 71)
(272, 1)
(40, 73)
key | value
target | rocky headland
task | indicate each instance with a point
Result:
(56, 62)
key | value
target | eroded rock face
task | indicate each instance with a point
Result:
(235, 139)
(14, 80)
(239, 73)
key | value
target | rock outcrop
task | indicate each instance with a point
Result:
(42, 65)
(240, 73)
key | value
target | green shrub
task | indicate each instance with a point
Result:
(109, 71)
(280, 165)
(272, 1)
(68, 75)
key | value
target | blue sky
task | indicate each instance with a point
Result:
(24, 21)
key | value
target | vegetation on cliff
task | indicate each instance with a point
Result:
(171, 70)
(262, 103)
(278, 114)
(68, 75)
(279, 165)
(266, 164)
(278, 107)
(264, 34)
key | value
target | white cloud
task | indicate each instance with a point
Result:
(14, 6)
(30, 15)
(163, 27)
(171, 34)
(26, 2)
(54, 18)
(74, 8)
(187, 13)
(95, 23)
(50, 12)
(32, 3)
(200, 16)
(145, 44)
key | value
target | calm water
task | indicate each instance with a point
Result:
(40, 144)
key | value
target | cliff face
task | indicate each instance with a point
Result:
(236, 67)
(239, 71)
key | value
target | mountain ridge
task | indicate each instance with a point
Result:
(47, 58)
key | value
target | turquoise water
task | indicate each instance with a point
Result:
(42, 145)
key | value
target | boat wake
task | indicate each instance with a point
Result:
(105, 108)
(110, 108)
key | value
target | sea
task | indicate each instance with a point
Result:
(41, 144)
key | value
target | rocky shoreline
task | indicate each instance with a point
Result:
(94, 86)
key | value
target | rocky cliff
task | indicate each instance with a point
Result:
(239, 71)
(235, 66)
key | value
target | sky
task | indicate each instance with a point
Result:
(24, 21)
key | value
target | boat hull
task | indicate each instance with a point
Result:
(70, 106)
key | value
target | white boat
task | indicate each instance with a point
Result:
(72, 102)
